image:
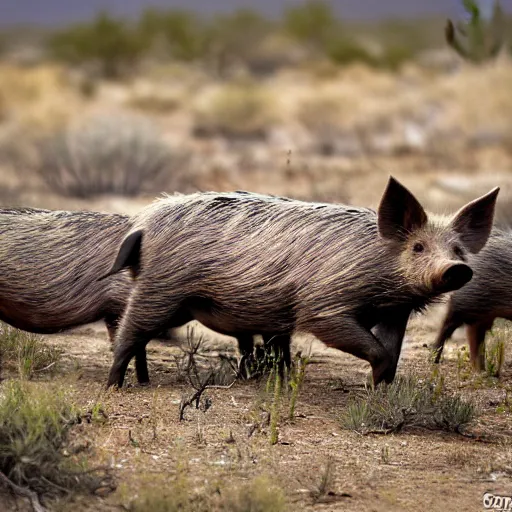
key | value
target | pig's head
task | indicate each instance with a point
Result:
(432, 251)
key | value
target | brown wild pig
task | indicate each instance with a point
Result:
(243, 263)
(50, 261)
(488, 296)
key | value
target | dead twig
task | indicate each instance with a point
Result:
(195, 397)
(23, 492)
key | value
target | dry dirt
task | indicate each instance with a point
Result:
(414, 470)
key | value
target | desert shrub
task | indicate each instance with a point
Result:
(312, 23)
(323, 116)
(236, 111)
(234, 39)
(25, 352)
(408, 402)
(108, 43)
(182, 33)
(123, 155)
(34, 431)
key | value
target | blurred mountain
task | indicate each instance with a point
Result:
(51, 12)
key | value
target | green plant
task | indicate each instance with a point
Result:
(276, 377)
(25, 352)
(481, 37)
(297, 376)
(110, 43)
(183, 33)
(495, 350)
(408, 401)
(34, 430)
(123, 155)
(312, 23)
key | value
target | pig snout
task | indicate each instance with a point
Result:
(453, 277)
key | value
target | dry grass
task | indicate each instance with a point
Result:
(238, 110)
(34, 433)
(123, 155)
(26, 353)
(408, 402)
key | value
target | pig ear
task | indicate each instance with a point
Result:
(474, 221)
(399, 212)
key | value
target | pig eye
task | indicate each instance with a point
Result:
(418, 247)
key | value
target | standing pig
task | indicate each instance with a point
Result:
(488, 296)
(242, 263)
(50, 261)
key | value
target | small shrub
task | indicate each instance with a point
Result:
(311, 23)
(177, 497)
(236, 111)
(111, 44)
(183, 33)
(325, 483)
(26, 352)
(408, 401)
(34, 429)
(259, 495)
(323, 117)
(122, 155)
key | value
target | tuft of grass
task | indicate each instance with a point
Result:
(324, 486)
(408, 402)
(237, 111)
(34, 430)
(258, 495)
(178, 496)
(25, 352)
(495, 350)
(122, 155)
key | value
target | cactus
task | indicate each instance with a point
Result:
(483, 34)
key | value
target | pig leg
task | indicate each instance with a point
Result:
(136, 330)
(246, 348)
(391, 334)
(450, 324)
(281, 345)
(476, 338)
(348, 335)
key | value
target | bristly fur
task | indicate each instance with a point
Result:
(242, 263)
(486, 297)
(50, 262)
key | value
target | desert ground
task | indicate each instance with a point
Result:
(315, 133)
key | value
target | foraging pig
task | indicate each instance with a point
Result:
(488, 296)
(50, 261)
(242, 263)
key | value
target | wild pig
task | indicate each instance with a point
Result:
(486, 297)
(50, 261)
(242, 263)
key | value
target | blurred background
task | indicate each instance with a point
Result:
(104, 104)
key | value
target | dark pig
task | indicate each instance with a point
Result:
(486, 297)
